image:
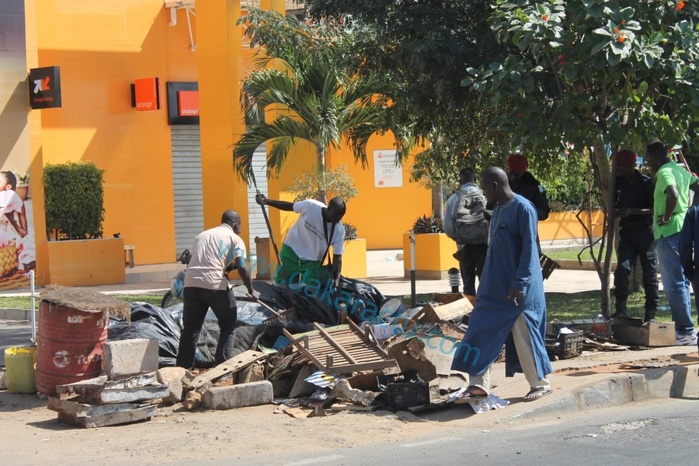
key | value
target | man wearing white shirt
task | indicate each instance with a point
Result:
(307, 242)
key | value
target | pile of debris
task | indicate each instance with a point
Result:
(129, 389)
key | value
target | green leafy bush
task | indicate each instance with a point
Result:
(427, 224)
(74, 196)
(350, 231)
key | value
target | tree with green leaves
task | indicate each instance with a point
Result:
(599, 74)
(422, 49)
(303, 71)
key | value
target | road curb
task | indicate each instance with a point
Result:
(618, 389)
(16, 314)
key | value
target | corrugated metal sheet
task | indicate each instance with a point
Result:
(186, 174)
(258, 227)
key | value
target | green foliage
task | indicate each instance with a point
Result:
(74, 197)
(583, 69)
(350, 231)
(335, 182)
(322, 100)
(427, 224)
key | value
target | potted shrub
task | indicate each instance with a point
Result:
(74, 209)
(433, 250)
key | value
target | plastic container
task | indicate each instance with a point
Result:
(390, 308)
(20, 364)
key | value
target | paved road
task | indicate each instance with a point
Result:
(13, 333)
(662, 432)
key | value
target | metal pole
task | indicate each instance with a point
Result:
(33, 312)
(413, 296)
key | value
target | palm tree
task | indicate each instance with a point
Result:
(323, 101)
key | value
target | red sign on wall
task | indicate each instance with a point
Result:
(146, 94)
(188, 103)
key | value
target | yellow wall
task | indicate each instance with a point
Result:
(382, 215)
(565, 225)
(101, 47)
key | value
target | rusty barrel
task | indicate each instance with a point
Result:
(69, 345)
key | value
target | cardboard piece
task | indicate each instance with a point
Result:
(433, 312)
(634, 332)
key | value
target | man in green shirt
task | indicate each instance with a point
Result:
(670, 204)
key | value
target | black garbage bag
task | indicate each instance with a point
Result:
(149, 322)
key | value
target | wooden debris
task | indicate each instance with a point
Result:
(341, 350)
(228, 367)
(440, 313)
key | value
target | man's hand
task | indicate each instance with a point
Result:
(254, 295)
(516, 296)
(261, 199)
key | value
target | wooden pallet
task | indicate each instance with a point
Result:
(342, 349)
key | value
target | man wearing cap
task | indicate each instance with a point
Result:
(633, 205)
(523, 183)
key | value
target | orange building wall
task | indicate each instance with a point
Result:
(101, 48)
(382, 215)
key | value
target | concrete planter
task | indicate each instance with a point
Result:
(433, 256)
(354, 258)
(85, 262)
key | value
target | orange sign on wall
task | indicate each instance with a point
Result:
(146, 94)
(188, 103)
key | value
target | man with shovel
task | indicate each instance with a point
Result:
(309, 239)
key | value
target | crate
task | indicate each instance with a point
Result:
(564, 345)
(633, 331)
(404, 390)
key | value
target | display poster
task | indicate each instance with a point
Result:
(387, 172)
(41, 89)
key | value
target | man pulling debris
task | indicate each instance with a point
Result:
(215, 251)
(309, 239)
(510, 303)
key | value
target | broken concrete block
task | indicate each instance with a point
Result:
(344, 391)
(173, 377)
(238, 396)
(192, 401)
(3, 381)
(126, 357)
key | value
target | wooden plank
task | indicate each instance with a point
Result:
(232, 365)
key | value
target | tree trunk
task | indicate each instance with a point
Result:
(322, 182)
(438, 203)
(606, 176)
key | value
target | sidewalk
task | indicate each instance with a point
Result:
(384, 271)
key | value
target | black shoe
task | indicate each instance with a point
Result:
(619, 314)
(649, 316)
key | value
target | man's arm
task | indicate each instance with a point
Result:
(281, 205)
(686, 246)
(671, 197)
(245, 276)
(337, 269)
(449, 217)
(541, 203)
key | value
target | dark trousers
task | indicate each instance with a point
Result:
(197, 302)
(471, 260)
(632, 244)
